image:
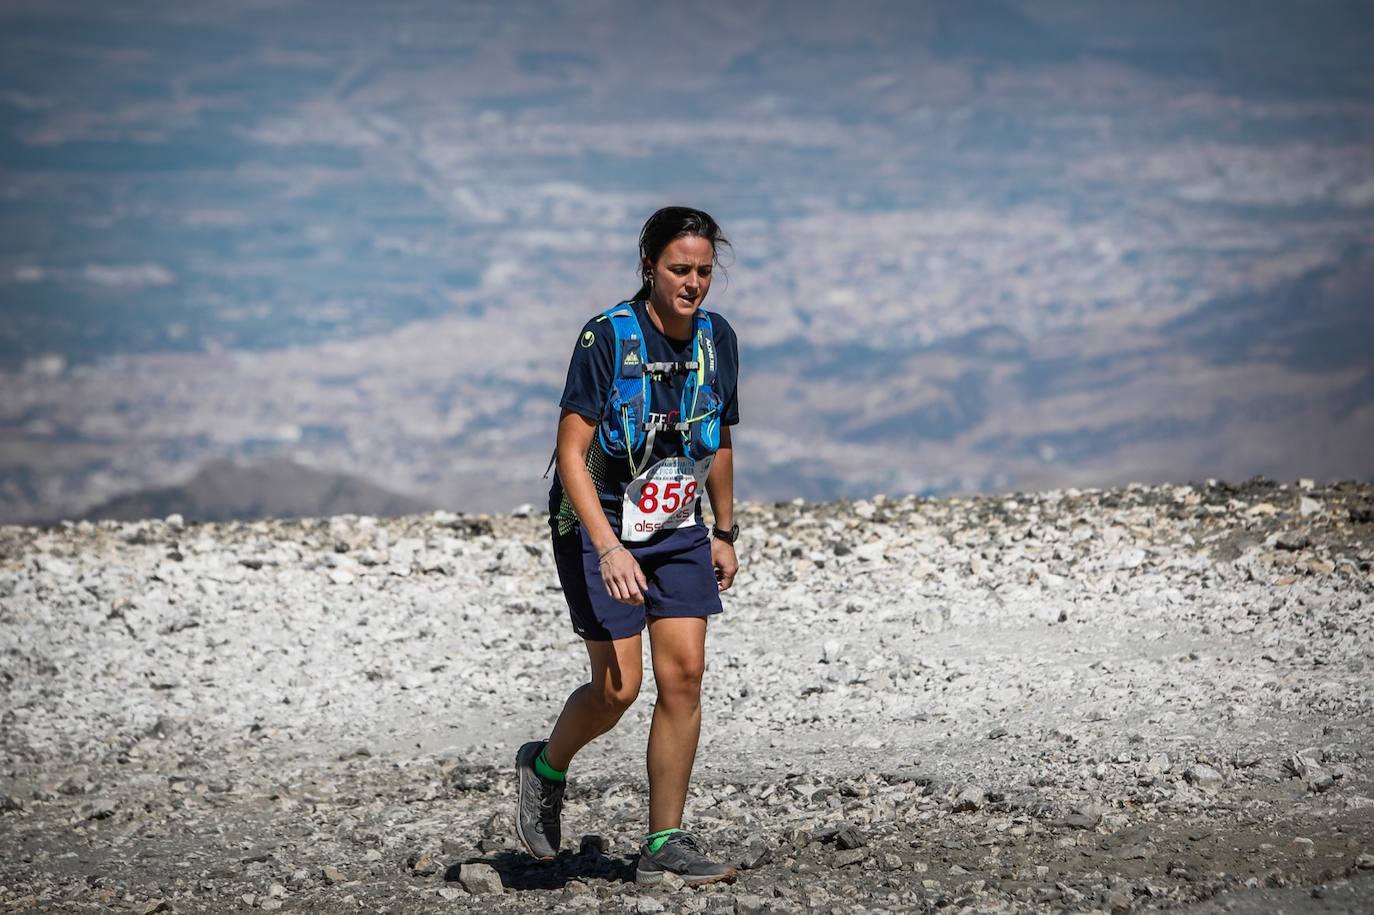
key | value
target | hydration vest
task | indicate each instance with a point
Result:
(628, 424)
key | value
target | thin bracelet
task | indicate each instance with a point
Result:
(609, 550)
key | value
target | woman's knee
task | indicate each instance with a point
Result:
(616, 686)
(616, 673)
(680, 683)
(617, 695)
(679, 650)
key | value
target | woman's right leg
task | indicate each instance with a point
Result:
(596, 706)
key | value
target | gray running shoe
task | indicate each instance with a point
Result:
(684, 855)
(539, 805)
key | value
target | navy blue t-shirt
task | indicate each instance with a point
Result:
(591, 372)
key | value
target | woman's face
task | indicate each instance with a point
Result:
(682, 275)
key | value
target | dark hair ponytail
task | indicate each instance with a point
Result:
(668, 224)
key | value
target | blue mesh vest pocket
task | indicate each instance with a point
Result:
(618, 417)
(704, 437)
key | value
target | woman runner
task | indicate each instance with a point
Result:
(645, 426)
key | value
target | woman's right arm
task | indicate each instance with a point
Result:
(624, 579)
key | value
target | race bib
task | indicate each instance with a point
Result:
(663, 498)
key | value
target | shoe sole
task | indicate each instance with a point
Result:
(653, 878)
(525, 773)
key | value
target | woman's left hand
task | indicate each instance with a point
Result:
(726, 565)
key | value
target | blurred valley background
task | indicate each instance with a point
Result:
(318, 257)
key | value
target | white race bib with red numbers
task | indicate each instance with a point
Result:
(663, 497)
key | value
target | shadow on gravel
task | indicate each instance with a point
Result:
(518, 871)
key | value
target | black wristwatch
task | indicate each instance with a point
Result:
(729, 536)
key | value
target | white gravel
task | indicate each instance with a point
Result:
(1172, 649)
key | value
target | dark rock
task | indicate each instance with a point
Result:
(466, 777)
(1292, 542)
(163, 728)
(756, 855)
(849, 837)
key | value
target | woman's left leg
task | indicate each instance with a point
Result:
(677, 646)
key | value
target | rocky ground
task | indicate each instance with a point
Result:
(1141, 698)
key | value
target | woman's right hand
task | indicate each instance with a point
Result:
(622, 576)
(619, 571)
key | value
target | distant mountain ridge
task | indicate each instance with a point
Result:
(277, 488)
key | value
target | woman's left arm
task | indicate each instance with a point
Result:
(720, 486)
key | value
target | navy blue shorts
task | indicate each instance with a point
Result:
(682, 582)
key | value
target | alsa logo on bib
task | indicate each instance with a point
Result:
(649, 527)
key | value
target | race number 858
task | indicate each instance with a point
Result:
(673, 497)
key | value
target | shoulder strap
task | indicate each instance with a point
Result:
(628, 400)
(631, 352)
(704, 350)
(700, 405)
(704, 355)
